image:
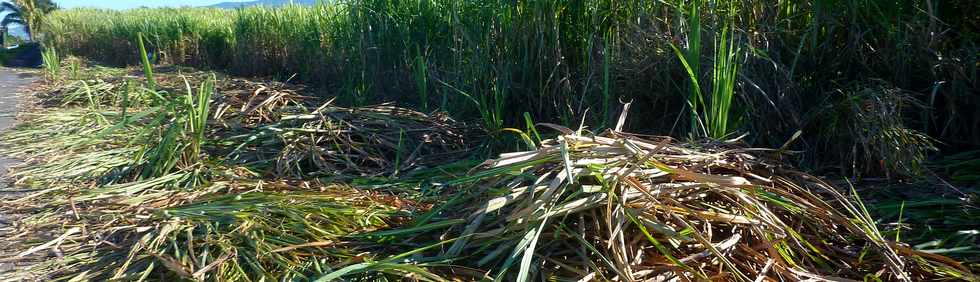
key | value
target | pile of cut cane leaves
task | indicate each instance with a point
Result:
(264, 183)
(344, 143)
(622, 207)
(128, 180)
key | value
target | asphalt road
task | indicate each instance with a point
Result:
(12, 82)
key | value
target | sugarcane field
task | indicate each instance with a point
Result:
(449, 140)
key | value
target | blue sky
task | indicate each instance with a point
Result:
(128, 4)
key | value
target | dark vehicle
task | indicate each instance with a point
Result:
(24, 55)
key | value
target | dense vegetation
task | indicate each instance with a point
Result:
(768, 70)
(507, 154)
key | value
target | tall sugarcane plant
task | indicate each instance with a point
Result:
(179, 126)
(51, 63)
(723, 80)
(710, 116)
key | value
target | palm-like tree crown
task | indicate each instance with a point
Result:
(14, 15)
(25, 12)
